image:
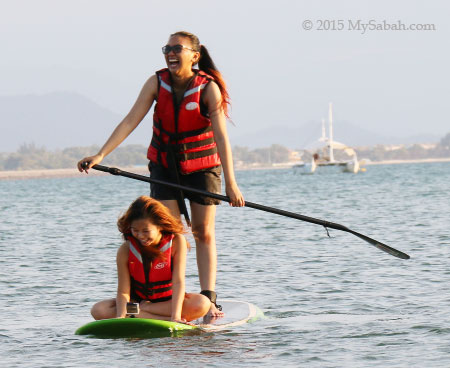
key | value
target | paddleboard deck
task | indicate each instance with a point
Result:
(236, 313)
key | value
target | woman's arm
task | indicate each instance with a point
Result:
(179, 250)
(123, 283)
(213, 99)
(140, 108)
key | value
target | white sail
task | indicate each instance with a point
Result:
(330, 133)
(328, 145)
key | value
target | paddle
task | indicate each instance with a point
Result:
(326, 224)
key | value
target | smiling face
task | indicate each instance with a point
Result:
(147, 233)
(181, 63)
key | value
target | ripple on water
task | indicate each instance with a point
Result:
(328, 301)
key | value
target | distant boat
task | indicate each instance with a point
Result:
(352, 166)
(325, 154)
(308, 167)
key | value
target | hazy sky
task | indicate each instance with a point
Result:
(394, 82)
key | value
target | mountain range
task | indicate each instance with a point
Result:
(58, 120)
(66, 119)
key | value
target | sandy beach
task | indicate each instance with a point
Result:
(366, 163)
(395, 162)
(60, 173)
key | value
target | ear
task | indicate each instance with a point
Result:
(195, 58)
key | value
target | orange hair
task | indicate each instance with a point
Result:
(148, 208)
(207, 65)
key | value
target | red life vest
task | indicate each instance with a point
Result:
(156, 285)
(185, 130)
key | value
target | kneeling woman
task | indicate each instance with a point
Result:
(151, 267)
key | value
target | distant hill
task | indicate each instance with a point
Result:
(58, 120)
(64, 119)
(305, 135)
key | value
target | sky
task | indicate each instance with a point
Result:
(284, 61)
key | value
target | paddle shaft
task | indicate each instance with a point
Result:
(326, 224)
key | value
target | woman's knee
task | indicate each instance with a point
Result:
(103, 309)
(196, 306)
(204, 304)
(97, 311)
(203, 233)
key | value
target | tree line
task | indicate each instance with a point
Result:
(30, 156)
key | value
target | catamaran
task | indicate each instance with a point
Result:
(325, 154)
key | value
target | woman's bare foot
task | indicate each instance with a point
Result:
(215, 312)
(213, 315)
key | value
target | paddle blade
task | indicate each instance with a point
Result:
(385, 248)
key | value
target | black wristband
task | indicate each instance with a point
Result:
(211, 295)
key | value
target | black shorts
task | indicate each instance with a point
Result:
(208, 180)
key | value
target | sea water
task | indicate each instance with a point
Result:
(329, 301)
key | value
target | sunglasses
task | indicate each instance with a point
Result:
(176, 49)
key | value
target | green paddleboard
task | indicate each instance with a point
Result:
(133, 328)
(236, 313)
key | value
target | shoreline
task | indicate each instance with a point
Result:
(418, 161)
(61, 173)
(366, 163)
(68, 173)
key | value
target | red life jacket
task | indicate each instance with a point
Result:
(186, 129)
(155, 284)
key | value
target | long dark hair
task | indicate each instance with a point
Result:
(206, 64)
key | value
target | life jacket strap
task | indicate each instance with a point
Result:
(190, 145)
(153, 284)
(181, 135)
(199, 154)
(180, 147)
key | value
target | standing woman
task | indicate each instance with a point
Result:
(189, 145)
